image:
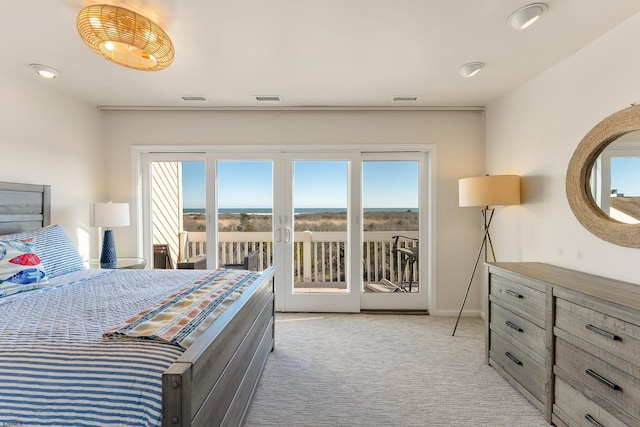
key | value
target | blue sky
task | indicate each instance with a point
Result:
(193, 188)
(323, 184)
(625, 175)
(318, 184)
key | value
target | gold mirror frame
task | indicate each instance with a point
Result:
(578, 189)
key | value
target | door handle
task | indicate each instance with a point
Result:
(287, 235)
(278, 236)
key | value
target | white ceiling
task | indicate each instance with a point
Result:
(321, 53)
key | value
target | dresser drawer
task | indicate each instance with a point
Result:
(518, 329)
(621, 388)
(520, 296)
(618, 337)
(517, 363)
(575, 409)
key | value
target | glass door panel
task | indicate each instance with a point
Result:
(178, 213)
(194, 208)
(391, 233)
(244, 212)
(390, 226)
(318, 237)
(320, 250)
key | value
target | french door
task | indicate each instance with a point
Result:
(346, 229)
(320, 210)
(395, 231)
(287, 203)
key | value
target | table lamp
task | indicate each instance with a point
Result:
(486, 191)
(109, 215)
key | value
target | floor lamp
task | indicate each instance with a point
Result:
(484, 192)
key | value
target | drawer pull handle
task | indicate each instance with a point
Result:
(603, 380)
(513, 358)
(604, 333)
(513, 326)
(513, 293)
(592, 421)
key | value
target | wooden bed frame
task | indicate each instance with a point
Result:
(24, 207)
(212, 382)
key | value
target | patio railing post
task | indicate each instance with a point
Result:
(183, 251)
(306, 256)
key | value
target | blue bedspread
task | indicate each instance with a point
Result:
(57, 370)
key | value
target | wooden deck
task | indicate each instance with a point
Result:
(339, 287)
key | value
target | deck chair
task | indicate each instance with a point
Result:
(409, 258)
(162, 257)
(406, 277)
(250, 262)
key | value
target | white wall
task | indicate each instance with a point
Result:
(459, 137)
(46, 138)
(533, 132)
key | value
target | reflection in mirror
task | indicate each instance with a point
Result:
(615, 179)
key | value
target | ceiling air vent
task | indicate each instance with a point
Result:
(268, 98)
(191, 98)
(405, 98)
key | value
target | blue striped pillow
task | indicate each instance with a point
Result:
(55, 249)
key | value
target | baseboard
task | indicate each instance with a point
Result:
(454, 313)
(371, 311)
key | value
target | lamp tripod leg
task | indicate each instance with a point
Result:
(490, 246)
(486, 237)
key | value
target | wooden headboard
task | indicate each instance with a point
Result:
(24, 207)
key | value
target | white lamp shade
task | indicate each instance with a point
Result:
(109, 214)
(490, 190)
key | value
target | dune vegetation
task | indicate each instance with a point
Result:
(321, 221)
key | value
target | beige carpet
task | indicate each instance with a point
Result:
(383, 370)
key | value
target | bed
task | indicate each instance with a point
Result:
(67, 354)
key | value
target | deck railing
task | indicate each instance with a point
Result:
(318, 257)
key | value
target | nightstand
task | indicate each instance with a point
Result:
(123, 263)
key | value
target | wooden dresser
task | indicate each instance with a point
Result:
(568, 341)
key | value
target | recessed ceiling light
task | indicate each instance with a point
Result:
(527, 15)
(470, 69)
(45, 72)
(404, 98)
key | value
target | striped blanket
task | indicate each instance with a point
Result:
(184, 316)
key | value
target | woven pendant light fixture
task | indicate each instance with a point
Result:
(125, 37)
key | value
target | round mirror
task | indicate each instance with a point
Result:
(584, 186)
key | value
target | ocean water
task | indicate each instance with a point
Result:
(268, 211)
